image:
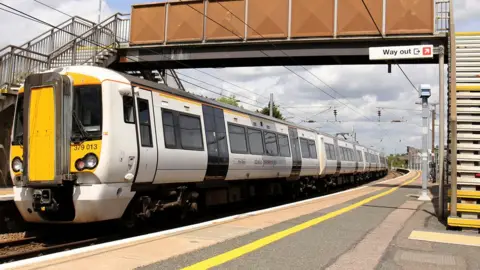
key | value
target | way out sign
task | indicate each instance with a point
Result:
(401, 52)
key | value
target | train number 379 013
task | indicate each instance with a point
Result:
(85, 147)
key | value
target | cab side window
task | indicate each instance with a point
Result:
(128, 110)
(144, 120)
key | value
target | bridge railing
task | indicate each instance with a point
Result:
(442, 11)
(73, 42)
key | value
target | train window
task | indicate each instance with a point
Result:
(342, 155)
(327, 150)
(333, 152)
(312, 148)
(304, 146)
(238, 139)
(18, 126)
(255, 142)
(271, 143)
(330, 151)
(284, 145)
(359, 156)
(87, 108)
(128, 110)
(169, 130)
(190, 132)
(144, 120)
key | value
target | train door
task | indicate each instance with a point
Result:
(217, 147)
(356, 158)
(339, 156)
(296, 154)
(147, 142)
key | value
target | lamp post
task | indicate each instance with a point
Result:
(425, 92)
(99, 10)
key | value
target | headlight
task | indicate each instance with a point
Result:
(79, 165)
(17, 164)
(90, 161)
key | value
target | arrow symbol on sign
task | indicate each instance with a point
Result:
(416, 51)
(427, 51)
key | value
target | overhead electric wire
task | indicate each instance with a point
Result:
(41, 3)
(256, 94)
(34, 19)
(230, 12)
(292, 71)
(288, 112)
(380, 32)
(25, 17)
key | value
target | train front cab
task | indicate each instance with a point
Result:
(56, 150)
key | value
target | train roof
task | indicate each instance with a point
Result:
(188, 95)
(105, 72)
(174, 91)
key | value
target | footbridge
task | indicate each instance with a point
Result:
(233, 33)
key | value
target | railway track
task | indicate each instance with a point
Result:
(30, 247)
(43, 242)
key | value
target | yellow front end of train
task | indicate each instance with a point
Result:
(56, 148)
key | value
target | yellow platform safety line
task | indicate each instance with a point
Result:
(465, 207)
(463, 222)
(463, 34)
(468, 87)
(232, 254)
(467, 194)
(446, 238)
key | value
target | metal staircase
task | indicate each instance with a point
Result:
(468, 132)
(74, 42)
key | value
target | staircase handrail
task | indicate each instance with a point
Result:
(48, 33)
(79, 38)
(62, 41)
(102, 28)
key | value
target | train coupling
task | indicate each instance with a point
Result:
(43, 201)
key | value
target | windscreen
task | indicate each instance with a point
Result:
(18, 127)
(87, 112)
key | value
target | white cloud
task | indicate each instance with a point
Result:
(367, 87)
(18, 30)
(466, 9)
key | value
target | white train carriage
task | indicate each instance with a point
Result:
(346, 157)
(329, 158)
(97, 145)
(362, 168)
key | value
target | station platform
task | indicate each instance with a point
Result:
(381, 225)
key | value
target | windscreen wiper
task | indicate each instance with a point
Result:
(83, 133)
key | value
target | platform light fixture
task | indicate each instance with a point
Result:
(425, 90)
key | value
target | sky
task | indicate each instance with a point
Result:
(359, 91)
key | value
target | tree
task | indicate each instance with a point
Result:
(276, 111)
(231, 100)
(397, 160)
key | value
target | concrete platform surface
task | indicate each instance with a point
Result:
(186, 246)
(381, 234)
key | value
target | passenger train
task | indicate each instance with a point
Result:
(91, 144)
